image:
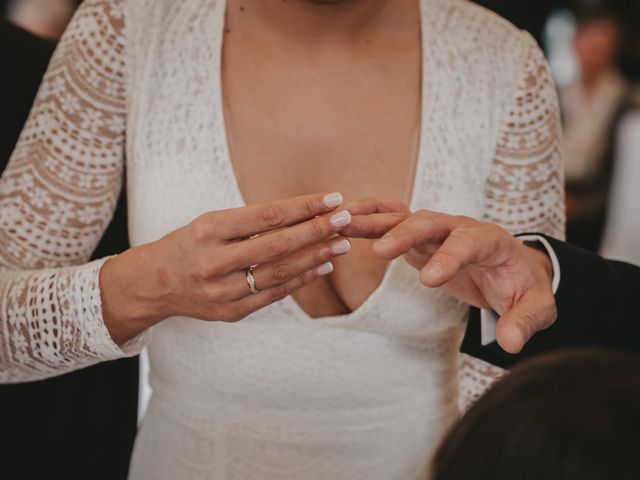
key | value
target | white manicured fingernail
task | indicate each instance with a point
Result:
(341, 247)
(341, 219)
(333, 200)
(324, 269)
(434, 270)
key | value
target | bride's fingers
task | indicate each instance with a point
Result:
(373, 225)
(269, 248)
(276, 273)
(247, 221)
(371, 205)
(249, 304)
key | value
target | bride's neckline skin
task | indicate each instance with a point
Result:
(330, 47)
(315, 22)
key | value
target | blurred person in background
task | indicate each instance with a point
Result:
(95, 409)
(622, 233)
(595, 106)
(44, 18)
(529, 15)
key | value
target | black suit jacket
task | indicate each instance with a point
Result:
(83, 424)
(598, 306)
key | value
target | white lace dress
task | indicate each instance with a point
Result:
(136, 83)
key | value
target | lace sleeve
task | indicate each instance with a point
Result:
(525, 189)
(57, 196)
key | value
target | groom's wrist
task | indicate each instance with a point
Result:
(539, 242)
(541, 258)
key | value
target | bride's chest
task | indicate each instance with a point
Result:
(295, 129)
(307, 129)
(186, 155)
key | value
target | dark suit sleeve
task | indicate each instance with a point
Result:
(598, 306)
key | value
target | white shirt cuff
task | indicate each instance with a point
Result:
(489, 318)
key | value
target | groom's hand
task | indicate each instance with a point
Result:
(373, 217)
(479, 263)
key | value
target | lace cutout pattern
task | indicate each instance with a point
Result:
(57, 196)
(525, 190)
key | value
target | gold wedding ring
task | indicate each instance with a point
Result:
(251, 281)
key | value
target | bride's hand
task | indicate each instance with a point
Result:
(200, 270)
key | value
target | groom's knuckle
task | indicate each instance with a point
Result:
(447, 257)
(465, 221)
(491, 235)
(461, 236)
(493, 231)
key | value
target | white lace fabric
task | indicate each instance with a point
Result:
(525, 190)
(57, 196)
(492, 151)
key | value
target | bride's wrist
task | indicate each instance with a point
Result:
(129, 305)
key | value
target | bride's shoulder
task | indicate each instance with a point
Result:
(467, 26)
(143, 9)
(168, 22)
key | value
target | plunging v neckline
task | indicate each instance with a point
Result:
(419, 166)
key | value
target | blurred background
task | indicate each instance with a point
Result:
(593, 48)
(45, 18)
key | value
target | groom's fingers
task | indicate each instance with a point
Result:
(483, 244)
(414, 231)
(373, 225)
(458, 251)
(373, 217)
(423, 227)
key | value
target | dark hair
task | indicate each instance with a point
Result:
(566, 416)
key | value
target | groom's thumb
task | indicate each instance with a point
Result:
(535, 311)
